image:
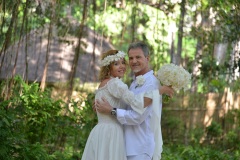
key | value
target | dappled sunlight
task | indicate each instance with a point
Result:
(61, 53)
(186, 101)
(196, 118)
(230, 100)
(210, 106)
(200, 110)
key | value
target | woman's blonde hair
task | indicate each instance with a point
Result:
(105, 70)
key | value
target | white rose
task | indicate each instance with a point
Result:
(140, 80)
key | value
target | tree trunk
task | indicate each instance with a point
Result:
(94, 42)
(3, 16)
(8, 35)
(16, 56)
(43, 81)
(172, 49)
(133, 19)
(235, 61)
(26, 51)
(180, 33)
(198, 55)
(196, 66)
(78, 49)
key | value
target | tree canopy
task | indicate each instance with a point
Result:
(202, 36)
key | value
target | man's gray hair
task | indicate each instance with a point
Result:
(140, 45)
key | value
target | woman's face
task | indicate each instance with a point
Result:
(118, 68)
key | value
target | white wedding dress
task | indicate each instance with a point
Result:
(106, 140)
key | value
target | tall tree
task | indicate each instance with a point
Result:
(8, 41)
(52, 18)
(180, 33)
(24, 23)
(8, 35)
(78, 48)
(133, 19)
(199, 49)
(93, 64)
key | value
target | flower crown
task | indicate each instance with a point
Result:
(109, 59)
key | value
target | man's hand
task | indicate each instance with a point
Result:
(103, 106)
(168, 90)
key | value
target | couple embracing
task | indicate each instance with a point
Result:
(128, 118)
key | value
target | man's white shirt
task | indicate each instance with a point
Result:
(139, 137)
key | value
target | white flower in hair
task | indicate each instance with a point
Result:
(140, 80)
(111, 58)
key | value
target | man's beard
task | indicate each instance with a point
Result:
(136, 70)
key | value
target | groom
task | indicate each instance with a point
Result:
(142, 141)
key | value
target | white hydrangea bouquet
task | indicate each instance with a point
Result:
(175, 76)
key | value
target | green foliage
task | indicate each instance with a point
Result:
(122, 23)
(35, 126)
(233, 117)
(88, 120)
(186, 152)
(63, 134)
(36, 109)
(14, 142)
(195, 135)
(232, 139)
(26, 121)
(217, 85)
(235, 86)
(174, 128)
(213, 76)
(228, 22)
(214, 131)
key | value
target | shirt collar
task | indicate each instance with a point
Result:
(149, 73)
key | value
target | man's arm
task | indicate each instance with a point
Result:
(128, 117)
(105, 107)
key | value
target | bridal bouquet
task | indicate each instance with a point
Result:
(175, 76)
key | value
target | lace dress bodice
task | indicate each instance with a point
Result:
(113, 101)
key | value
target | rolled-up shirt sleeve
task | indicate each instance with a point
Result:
(130, 117)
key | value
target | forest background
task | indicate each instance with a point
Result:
(49, 53)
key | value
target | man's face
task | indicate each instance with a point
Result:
(138, 62)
